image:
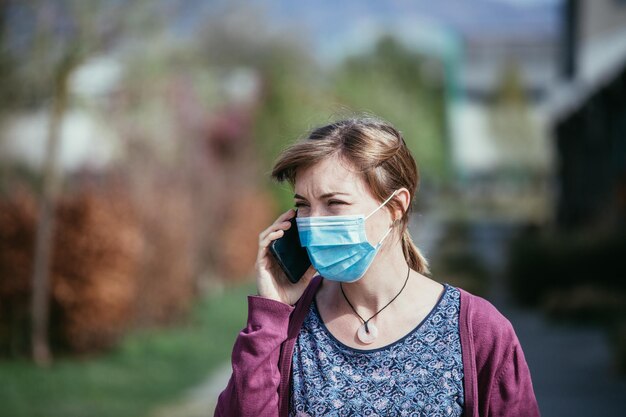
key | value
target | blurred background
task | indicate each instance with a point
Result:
(136, 139)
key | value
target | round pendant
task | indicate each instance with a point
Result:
(366, 337)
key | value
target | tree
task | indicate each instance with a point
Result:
(400, 85)
(515, 133)
(44, 44)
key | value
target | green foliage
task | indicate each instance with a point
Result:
(521, 148)
(388, 82)
(391, 83)
(50, 40)
(290, 108)
(150, 368)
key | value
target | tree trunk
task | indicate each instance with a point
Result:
(40, 306)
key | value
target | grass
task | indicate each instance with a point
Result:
(150, 367)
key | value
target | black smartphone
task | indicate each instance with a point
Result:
(289, 253)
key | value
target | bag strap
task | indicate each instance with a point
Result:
(295, 323)
(302, 307)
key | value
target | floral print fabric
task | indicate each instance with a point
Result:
(419, 375)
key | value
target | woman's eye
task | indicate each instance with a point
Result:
(335, 202)
(299, 204)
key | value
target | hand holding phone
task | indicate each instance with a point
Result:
(272, 281)
(289, 253)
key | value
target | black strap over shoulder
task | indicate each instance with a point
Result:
(295, 323)
(302, 305)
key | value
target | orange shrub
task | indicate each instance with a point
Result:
(253, 212)
(117, 262)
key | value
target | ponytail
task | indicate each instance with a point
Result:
(412, 254)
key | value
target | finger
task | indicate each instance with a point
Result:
(307, 277)
(309, 274)
(285, 225)
(285, 216)
(264, 243)
(280, 221)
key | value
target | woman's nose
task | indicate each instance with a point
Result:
(317, 211)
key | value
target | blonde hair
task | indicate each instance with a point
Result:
(379, 153)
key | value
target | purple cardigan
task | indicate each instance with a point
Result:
(496, 377)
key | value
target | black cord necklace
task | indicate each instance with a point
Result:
(367, 333)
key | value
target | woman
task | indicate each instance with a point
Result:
(371, 334)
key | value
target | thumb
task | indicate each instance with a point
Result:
(308, 276)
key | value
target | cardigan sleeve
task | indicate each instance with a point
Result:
(512, 392)
(253, 386)
(503, 378)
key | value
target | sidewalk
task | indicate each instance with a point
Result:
(199, 401)
(570, 365)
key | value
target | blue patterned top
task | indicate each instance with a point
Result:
(420, 374)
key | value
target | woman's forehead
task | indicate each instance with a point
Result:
(328, 175)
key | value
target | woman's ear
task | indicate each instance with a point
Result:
(403, 196)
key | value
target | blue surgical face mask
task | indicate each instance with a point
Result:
(337, 245)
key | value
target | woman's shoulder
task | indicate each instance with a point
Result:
(493, 353)
(483, 322)
(480, 310)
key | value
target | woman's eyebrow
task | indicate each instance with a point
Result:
(326, 195)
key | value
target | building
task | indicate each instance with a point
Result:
(588, 114)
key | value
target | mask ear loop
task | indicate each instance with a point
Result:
(380, 242)
(382, 205)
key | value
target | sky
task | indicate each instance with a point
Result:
(332, 29)
(335, 27)
(530, 2)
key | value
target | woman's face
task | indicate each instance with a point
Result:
(332, 188)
